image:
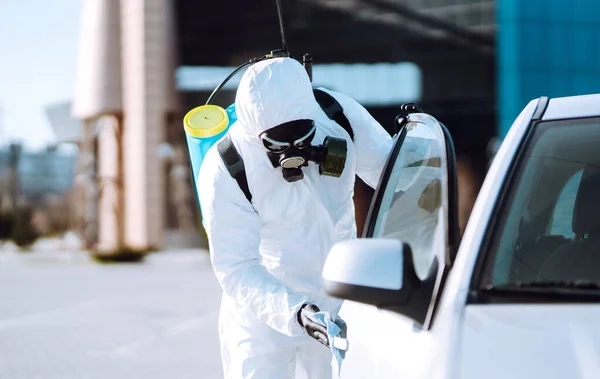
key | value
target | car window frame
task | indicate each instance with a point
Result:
(453, 230)
(476, 286)
(483, 251)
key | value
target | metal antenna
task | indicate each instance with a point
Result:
(280, 13)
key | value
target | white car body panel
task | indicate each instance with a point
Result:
(396, 346)
(481, 341)
(572, 107)
(530, 341)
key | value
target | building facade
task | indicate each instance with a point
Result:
(547, 48)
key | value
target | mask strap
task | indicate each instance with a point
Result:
(301, 139)
(275, 142)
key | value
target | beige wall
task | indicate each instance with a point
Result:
(148, 96)
(110, 202)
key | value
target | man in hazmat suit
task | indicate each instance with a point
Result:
(268, 254)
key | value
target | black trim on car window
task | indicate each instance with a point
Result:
(381, 187)
(453, 227)
(540, 109)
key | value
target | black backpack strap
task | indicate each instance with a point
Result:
(333, 110)
(234, 164)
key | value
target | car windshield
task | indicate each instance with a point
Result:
(548, 228)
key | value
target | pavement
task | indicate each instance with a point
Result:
(65, 316)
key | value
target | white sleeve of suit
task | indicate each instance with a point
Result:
(233, 229)
(373, 143)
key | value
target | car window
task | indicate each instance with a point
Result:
(562, 216)
(412, 204)
(549, 228)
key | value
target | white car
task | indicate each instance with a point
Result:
(519, 295)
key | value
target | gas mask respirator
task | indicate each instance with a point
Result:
(289, 145)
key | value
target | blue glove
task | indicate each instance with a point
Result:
(336, 335)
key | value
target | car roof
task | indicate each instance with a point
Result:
(572, 107)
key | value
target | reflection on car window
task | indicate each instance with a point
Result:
(562, 217)
(549, 226)
(411, 208)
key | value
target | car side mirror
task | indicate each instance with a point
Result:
(379, 272)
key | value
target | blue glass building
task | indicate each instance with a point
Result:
(545, 48)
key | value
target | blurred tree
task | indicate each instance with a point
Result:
(6, 225)
(6, 217)
(23, 233)
(56, 210)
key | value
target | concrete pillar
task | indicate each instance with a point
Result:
(110, 176)
(98, 79)
(148, 97)
(87, 156)
(98, 94)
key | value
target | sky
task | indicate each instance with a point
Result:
(38, 56)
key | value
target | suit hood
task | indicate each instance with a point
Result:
(273, 92)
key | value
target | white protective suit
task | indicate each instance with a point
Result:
(268, 255)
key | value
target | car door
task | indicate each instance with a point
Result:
(415, 202)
